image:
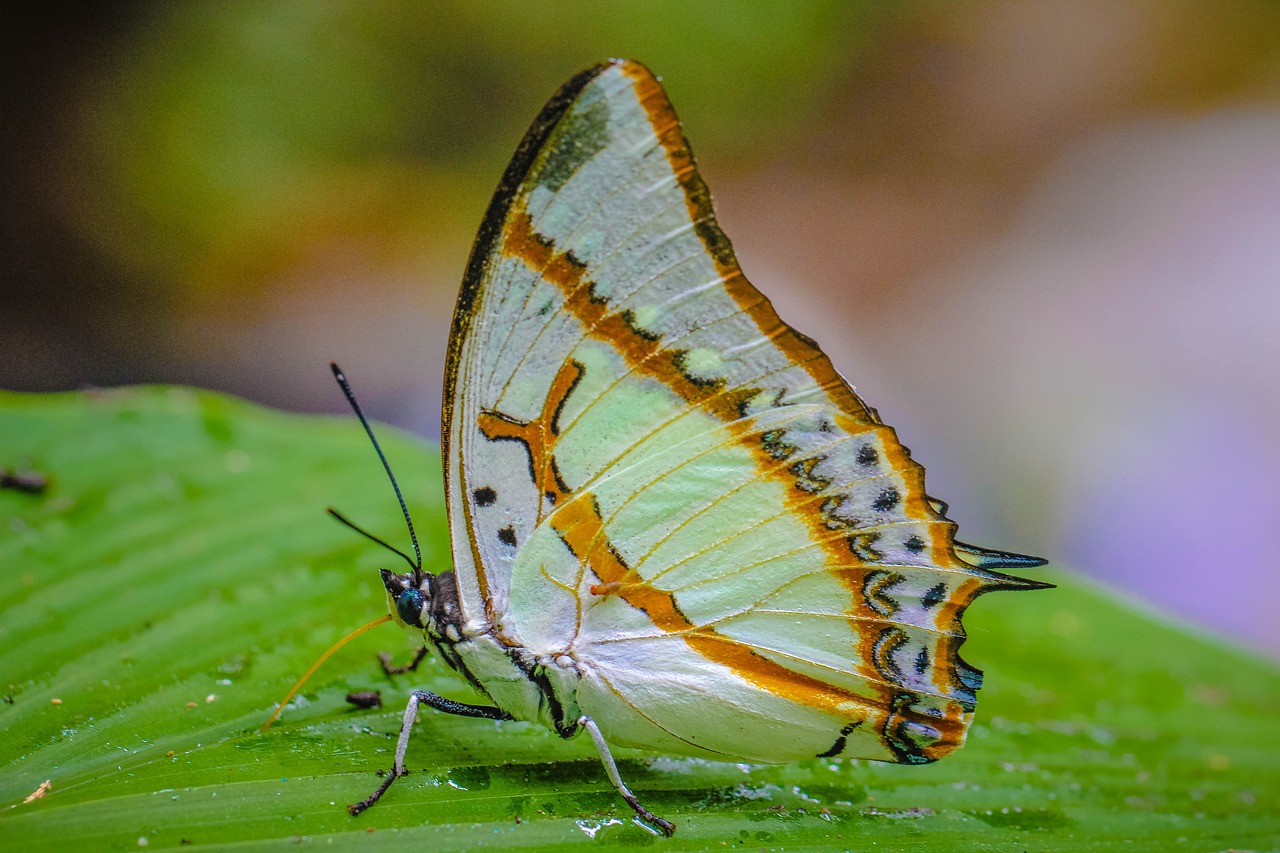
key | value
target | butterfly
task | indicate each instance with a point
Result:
(675, 526)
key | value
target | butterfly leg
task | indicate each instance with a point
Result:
(431, 700)
(389, 668)
(611, 770)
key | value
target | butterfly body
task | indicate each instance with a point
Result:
(673, 522)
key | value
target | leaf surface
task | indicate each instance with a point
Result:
(179, 572)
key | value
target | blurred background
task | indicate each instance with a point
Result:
(1043, 238)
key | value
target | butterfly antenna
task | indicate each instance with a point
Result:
(364, 422)
(367, 535)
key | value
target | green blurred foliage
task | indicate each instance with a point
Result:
(178, 572)
(176, 167)
(218, 126)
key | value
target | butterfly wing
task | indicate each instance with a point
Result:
(681, 489)
(600, 243)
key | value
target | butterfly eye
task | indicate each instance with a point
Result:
(409, 607)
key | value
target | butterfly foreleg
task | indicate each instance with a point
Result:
(389, 668)
(611, 770)
(439, 703)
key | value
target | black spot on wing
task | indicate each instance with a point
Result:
(886, 500)
(484, 496)
(934, 596)
(508, 536)
(868, 455)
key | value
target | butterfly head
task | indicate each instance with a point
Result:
(408, 597)
(425, 601)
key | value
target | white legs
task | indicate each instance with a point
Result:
(440, 703)
(611, 770)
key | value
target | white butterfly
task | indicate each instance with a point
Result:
(674, 525)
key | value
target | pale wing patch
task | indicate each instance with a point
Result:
(657, 694)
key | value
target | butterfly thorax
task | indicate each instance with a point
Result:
(528, 686)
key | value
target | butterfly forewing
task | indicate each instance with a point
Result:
(650, 472)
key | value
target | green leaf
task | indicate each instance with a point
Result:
(179, 572)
